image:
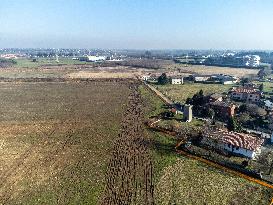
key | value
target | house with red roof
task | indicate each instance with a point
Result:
(237, 143)
(247, 94)
(223, 109)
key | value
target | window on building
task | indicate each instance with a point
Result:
(229, 145)
(237, 148)
(250, 95)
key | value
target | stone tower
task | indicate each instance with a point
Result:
(188, 113)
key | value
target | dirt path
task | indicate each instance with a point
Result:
(129, 173)
(159, 94)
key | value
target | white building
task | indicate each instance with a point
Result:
(177, 80)
(145, 77)
(92, 58)
(200, 78)
(237, 143)
(96, 58)
(252, 60)
(225, 79)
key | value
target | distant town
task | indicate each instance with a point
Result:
(248, 59)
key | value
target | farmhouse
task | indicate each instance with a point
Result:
(92, 58)
(177, 80)
(247, 94)
(225, 79)
(200, 78)
(223, 109)
(237, 143)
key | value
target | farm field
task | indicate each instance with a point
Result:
(69, 71)
(55, 140)
(180, 180)
(208, 70)
(28, 63)
(182, 92)
(60, 144)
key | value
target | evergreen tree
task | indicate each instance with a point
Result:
(233, 125)
(261, 87)
(163, 79)
(201, 93)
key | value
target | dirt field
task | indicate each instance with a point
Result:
(207, 70)
(107, 71)
(55, 140)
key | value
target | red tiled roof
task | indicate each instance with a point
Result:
(221, 104)
(246, 90)
(237, 139)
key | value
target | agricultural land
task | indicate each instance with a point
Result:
(85, 142)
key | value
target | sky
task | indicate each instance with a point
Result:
(137, 24)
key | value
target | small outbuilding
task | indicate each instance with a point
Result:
(177, 80)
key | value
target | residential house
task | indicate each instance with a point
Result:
(237, 143)
(200, 78)
(223, 109)
(177, 80)
(248, 94)
(225, 79)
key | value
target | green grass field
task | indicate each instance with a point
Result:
(28, 63)
(180, 180)
(181, 92)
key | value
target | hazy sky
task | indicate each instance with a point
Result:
(137, 24)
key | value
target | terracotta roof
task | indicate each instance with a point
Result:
(216, 95)
(237, 139)
(221, 104)
(246, 90)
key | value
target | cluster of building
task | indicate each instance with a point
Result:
(224, 107)
(98, 58)
(252, 60)
(11, 56)
(226, 59)
(218, 78)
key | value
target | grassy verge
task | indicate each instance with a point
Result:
(182, 92)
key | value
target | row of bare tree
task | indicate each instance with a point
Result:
(129, 175)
